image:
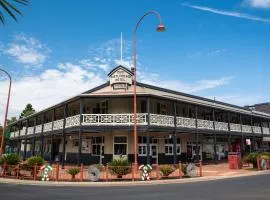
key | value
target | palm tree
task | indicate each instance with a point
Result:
(11, 9)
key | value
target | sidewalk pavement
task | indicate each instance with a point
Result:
(131, 183)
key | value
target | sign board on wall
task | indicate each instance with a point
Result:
(248, 142)
(120, 78)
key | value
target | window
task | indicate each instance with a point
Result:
(120, 145)
(161, 109)
(142, 145)
(98, 146)
(143, 106)
(168, 147)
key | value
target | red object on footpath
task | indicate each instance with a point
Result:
(81, 173)
(107, 172)
(35, 172)
(57, 171)
(200, 166)
(258, 163)
(180, 170)
(4, 169)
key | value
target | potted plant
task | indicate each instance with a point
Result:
(120, 167)
(30, 163)
(11, 160)
(73, 172)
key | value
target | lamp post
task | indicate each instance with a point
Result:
(160, 28)
(6, 113)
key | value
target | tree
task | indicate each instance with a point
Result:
(9, 8)
(29, 110)
(11, 120)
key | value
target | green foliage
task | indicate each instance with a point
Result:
(184, 169)
(120, 167)
(29, 110)
(11, 120)
(73, 172)
(35, 160)
(10, 159)
(166, 170)
(10, 9)
(252, 157)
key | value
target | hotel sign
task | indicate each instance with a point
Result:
(120, 78)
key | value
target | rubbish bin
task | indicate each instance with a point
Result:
(234, 160)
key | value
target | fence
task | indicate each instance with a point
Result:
(103, 173)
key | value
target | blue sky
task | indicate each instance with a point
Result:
(211, 48)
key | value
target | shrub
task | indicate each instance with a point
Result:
(166, 170)
(184, 169)
(120, 167)
(35, 160)
(10, 159)
(73, 172)
(251, 158)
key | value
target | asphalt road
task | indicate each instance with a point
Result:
(246, 188)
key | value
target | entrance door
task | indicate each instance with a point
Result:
(191, 151)
(154, 153)
(55, 151)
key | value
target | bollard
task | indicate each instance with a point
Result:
(157, 172)
(81, 174)
(35, 172)
(57, 172)
(180, 170)
(258, 163)
(4, 169)
(107, 172)
(200, 166)
(18, 171)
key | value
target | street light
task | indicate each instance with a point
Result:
(160, 28)
(5, 119)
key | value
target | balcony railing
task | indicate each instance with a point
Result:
(257, 129)
(58, 124)
(221, 126)
(205, 124)
(185, 122)
(246, 129)
(161, 120)
(142, 119)
(235, 127)
(113, 119)
(47, 127)
(266, 130)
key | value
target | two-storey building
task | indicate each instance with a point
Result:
(97, 126)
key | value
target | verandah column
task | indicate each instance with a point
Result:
(34, 139)
(42, 136)
(215, 137)
(64, 137)
(80, 133)
(197, 135)
(25, 140)
(52, 147)
(242, 136)
(229, 129)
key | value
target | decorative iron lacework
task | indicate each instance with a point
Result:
(38, 128)
(246, 129)
(23, 131)
(266, 130)
(205, 124)
(185, 122)
(58, 124)
(161, 120)
(257, 129)
(16, 134)
(221, 126)
(73, 121)
(235, 127)
(30, 130)
(114, 119)
(47, 127)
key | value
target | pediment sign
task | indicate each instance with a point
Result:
(120, 78)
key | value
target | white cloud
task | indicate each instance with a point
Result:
(228, 13)
(48, 88)
(265, 4)
(27, 50)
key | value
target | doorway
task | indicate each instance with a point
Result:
(154, 153)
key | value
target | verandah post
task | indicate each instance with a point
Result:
(200, 168)
(81, 172)
(157, 172)
(258, 163)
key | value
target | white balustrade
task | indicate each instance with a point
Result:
(235, 127)
(58, 124)
(221, 126)
(38, 128)
(257, 129)
(266, 130)
(205, 124)
(114, 119)
(47, 127)
(246, 129)
(12, 134)
(23, 131)
(16, 134)
(72, 121)
(30, 130)
(161, 120)
(185, 122)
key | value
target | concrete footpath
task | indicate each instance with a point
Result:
(128, 183)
